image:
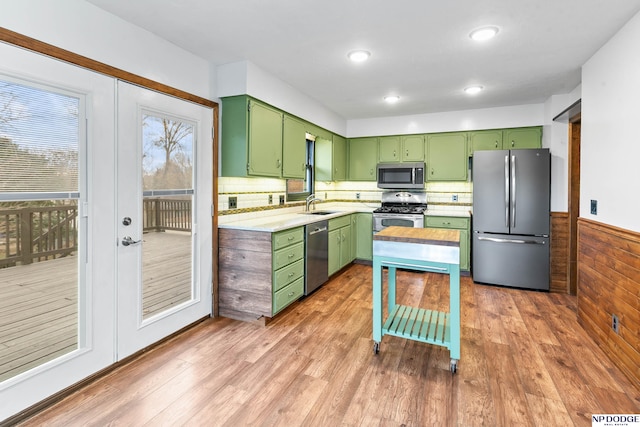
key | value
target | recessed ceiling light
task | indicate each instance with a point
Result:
(485, 33)
(472, 90)
(392, 99)
(359, 55)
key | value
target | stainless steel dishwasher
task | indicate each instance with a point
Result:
(316, 270)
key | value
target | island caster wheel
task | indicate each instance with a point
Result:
(454, 366)
(376, 347)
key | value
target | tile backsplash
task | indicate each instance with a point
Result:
(253, 193)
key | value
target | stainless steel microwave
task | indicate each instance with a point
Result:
(401, 175)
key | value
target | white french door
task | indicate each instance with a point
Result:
(164, 187)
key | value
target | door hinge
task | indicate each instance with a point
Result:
(249, 106)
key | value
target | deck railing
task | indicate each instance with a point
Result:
(42, 233)
(37, 234)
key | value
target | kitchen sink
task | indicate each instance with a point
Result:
(319, 212)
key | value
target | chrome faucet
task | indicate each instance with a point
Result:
(310, 199)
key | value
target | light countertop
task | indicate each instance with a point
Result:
(282, 219)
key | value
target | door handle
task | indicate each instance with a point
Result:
(127, 240)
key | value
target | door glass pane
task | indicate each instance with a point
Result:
(168, 193)
(39, 226)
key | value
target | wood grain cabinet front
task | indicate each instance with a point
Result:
(259, 273)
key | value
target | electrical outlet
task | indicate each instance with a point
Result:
(357, 196)
(281, 199)
(454, 198)
(233, 202)
(594, 207)
(270, 199)
(615, 324)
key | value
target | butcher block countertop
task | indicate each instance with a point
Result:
(427, 236)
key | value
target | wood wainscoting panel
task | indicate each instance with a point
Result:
(608, 284)
(559, 252)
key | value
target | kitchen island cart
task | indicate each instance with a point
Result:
(422, 249)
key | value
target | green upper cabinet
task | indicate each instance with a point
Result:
(389, 149)
(363, 159)
(294, 148)
(505, 139)
(331, 159)
(485, 140)
(522, 138)
(265, 140)
(412, 148)
(447, 156)
(251, 138)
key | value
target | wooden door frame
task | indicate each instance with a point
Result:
(574, 201)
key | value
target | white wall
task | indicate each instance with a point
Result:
(245, 77)
(82, 28)
(486, 118)
(555, 136)
(610, 140)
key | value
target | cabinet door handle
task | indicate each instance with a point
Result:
(278, 163)
(394, 153)
(513, 143)
(496, 144)
(431, 171)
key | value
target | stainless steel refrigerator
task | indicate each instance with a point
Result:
(510, 223)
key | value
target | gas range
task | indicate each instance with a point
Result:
(400, 208)
(412, 210)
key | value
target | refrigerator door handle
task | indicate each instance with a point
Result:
(506, 191)
(519, 241)
(513, 191)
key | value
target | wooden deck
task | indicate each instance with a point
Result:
(39, 309)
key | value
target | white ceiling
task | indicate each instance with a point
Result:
(420, 49)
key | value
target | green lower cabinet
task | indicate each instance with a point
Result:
(455, 223)
(364, 236)
(340, 242)
(334, 251)
(287, 267)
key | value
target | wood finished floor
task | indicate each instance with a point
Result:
(525, 361)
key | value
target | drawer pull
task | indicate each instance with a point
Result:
(290, 238)
(291, 255)
(290, 294)
(291, 274)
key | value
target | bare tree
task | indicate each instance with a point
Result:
(9, 108)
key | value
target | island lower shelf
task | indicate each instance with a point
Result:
(428, 326)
